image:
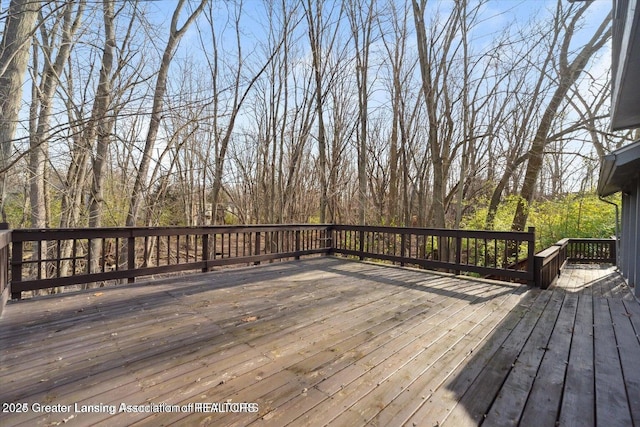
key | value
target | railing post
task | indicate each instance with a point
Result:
(131, 256)
(5, 285)
(534, 278)
(612, 250)
(16, 267)
(458, 252)
(257, 247)
(403, 246)
(205, 251)
(330, 236)
(361, 244)
(297, 244)
(537, 272)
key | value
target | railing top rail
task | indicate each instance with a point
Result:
(62, 233)
(177, 227)
(5, 237)
(588, 239)
(436, 231)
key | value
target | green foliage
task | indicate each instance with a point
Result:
(572, 215)
(14, 208)
(231, 219)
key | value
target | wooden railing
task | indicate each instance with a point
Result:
(495, 253)
(548, 263)
(48, 258)
(5, 244)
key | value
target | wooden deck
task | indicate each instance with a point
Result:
(326, 341)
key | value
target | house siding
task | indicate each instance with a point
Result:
(629, 260)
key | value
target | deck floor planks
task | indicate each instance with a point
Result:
(426, 370)
(516, 356)
(303, 347)
(423, 389)
(379, 302)
(513, 394)
(633, 309)
(612, 408)
(407, 362)
(629, 350)
(338, 362)
(410, 343)
(578, 401)
(510, 403)
(372, 367)
(350, 362)
(163, 328)
(488, 366)
(543, 402)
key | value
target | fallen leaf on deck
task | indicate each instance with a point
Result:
(250, 319)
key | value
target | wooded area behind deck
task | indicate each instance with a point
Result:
(372, 112)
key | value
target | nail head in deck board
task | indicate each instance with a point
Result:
(612, 408)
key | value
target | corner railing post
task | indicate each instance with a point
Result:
(5, 285)
(531, 259)
(612, 248)
(330, 243)
(16, 267)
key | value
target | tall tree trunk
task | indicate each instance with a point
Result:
(568, 75)
(315, 31)
(439, 154)
(102, 122)
(14, 57)
(175, 34)
(40, 112)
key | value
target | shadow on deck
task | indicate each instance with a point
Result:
(326, 341)
(565, 356)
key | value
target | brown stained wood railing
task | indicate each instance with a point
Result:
(548, 263)
(496, 253)
(48, 258)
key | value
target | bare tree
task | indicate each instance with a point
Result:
(434, 53)
(55, 43)
(362, 17)
(568, 71)
(176, 32)
(14, 58)
(322, 30)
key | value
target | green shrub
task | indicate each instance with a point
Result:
(573, 215)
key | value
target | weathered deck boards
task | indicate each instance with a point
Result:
(326, 341)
